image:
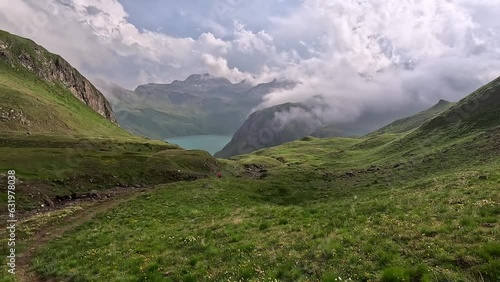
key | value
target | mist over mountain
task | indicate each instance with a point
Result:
(202, 104)
(362, 57)
(288, 122)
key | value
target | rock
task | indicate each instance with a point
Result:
(397, 165)
(483, 177)
(94, 194)
(350, 174)
(373, 168)
(48, 201)
(168, 273)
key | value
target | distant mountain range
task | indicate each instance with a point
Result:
(201, 104)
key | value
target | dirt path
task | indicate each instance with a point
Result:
(42, 237)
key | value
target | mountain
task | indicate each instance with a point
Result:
(59, 134)
(412, 122)
(24, 55)
(366, 123)
(248, 137)
(479, 110)
(201, 104)
(422, 205)
(265, 128)
(41, 93)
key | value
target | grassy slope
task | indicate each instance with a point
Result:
(413, 122)
(391, 207)
(50, 109)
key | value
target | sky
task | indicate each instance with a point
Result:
(359, 56)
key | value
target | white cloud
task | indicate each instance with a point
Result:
(361, 56)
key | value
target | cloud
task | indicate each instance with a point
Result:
(386, 57)
(382, 57)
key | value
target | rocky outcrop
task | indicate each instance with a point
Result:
(19, 52)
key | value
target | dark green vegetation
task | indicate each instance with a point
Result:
(200, 105)
(417, 206)
(70, 167)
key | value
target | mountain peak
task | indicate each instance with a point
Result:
(443, 102)
(199, 77)
(207, 78)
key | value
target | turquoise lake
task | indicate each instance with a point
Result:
(209, 143)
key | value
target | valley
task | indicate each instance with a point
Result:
(209, 143)
(192, 181)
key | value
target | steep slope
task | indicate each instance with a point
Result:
(412, 122)
(23, 54)
(479, 110)
(264, 129)
(201, 104)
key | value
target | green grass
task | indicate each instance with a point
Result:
(328, 208)
(55, 166)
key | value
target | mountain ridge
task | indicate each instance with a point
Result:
(202, 104)
(18, 52)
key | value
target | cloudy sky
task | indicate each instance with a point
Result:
(359, 55)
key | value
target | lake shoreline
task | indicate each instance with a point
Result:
(209, 143)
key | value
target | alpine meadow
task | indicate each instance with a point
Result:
(365, 140)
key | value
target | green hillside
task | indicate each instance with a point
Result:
(410, 123)
(479, 110)
(30, 104)
(418, 206)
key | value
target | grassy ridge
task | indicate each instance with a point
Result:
(413, 122)
(64, 166)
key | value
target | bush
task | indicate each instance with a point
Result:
(399, 274)
(264, 226)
